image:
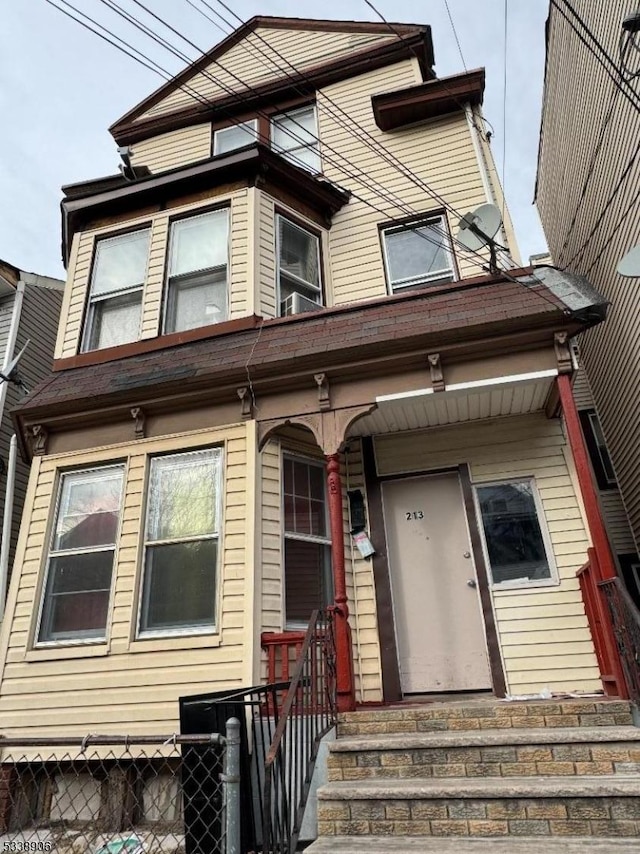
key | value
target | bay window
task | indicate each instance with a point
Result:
(294, 135)
(181, 543)
(298, 269)
(197, 287)
(115, 294)
(307, 545)
(81, 556)
(417, 254)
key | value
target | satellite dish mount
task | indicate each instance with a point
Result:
(478, 228)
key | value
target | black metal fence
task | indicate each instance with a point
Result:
(626, 626)
(121, 795)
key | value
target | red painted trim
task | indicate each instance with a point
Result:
(601, 562)
(344, 652)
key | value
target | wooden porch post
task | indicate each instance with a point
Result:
(605, 568)
(344, 653)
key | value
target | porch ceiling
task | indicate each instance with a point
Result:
(514, 395)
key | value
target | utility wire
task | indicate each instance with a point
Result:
(622, 219)
(504, 110)
(455, 33)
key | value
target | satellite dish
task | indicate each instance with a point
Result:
(478, 228)
(629, 266)
(10, 374)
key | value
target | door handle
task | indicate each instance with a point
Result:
(471, 583)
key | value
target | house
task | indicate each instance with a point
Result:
(29, 314)
(586, 195)
(272, 341)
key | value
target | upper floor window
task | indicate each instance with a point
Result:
(181, 543)
(235, 136)
(598, 451)
(81, 556)
(417, 254)
(197, 287)
(294, 134)
(299, 283)
(115, 295)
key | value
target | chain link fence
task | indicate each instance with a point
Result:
(122, 795)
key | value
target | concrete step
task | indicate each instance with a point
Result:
(470, 845)
(486, 714)
(607, 806)
(488, 753)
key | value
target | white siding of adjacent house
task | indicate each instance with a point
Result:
(544, 635)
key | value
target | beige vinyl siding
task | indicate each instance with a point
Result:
(578, 94)
(272, 557)
(544, 635)
(266, 257)
(170, 150)
(439, 152)
(70, 336)
(250, 63)
(127, 685)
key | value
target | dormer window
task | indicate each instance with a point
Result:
(115, 297)
(417, 254)
(299, 283)
(294, 135)
(236, 136)
(197, 292)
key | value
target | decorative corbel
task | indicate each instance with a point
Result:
(563, 352)
(246, 401)
(324, 399)
(139, 417)
(39, 439)
(437, 378)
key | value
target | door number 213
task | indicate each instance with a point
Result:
(414, 514)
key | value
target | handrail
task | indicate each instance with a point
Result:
(625, 617)
(308, 712)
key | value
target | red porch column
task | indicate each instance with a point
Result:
(344, 654)
(605, 564)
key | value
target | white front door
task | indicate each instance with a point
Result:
(439, 623)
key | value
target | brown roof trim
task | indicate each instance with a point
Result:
(254, 163)
(130, 129)
(429, 100)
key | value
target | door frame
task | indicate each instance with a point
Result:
(391, 686)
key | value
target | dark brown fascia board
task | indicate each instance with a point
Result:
(254, 163)
(128, 130)
(393, 110)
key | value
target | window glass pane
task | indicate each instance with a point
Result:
(512, 532)
(234, 137)
(77, 596)
(302, 517)
(179, 586)
(298, 252)
(89, 509)
(316, 482)
(307, 579)
(116, 321)
(120, 262)
(308, 158)
(603, 451)
(416, 253)
(295, 129)
(197, 302)
(183, 495)
(318, 518)
(199, 243)
(301, 478)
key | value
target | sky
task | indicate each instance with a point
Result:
(61, 87)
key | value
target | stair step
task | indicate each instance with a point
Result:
(607, 806)
(486, 714)
(470, 845)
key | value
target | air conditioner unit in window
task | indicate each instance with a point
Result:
(295, 303)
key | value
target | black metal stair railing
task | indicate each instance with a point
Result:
(625, 617)
(308, 712)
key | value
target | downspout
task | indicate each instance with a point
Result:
(5, 548)
(7, 521)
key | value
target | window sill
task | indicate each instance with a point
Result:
(522, 586)
(169, 642)
(68, 650)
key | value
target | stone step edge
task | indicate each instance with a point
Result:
(481, 788)
(484, 738)
(456, 709)
(470, 844)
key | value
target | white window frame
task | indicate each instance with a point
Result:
(196, 273)
(308, 286)
(289, 154)
(185, 631)
(101, 472)
(519, 583)
(295, 625)
(442, 275)
(596, 429)
(251, 125)
(93, 300)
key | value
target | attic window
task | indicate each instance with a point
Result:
(235, 136)
(294, 135)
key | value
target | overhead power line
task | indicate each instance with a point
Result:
(455, 33)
